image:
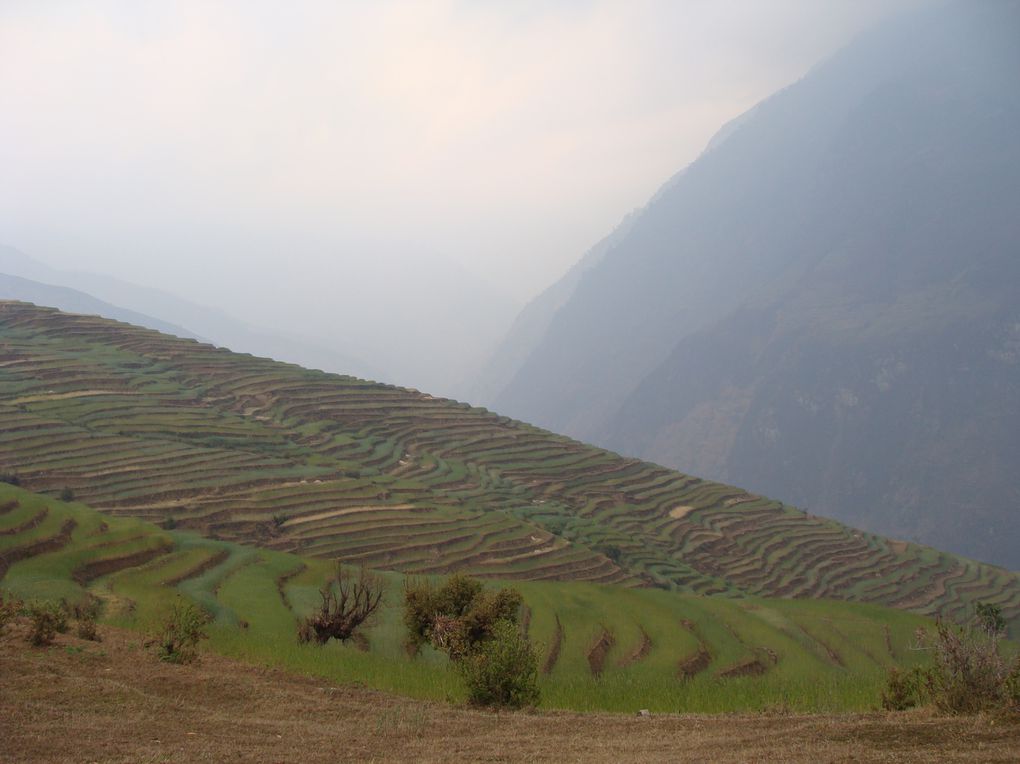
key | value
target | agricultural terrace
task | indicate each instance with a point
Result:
(601, 647)
(238, 448)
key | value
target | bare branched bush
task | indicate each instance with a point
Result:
(348, 602)
(968, 672)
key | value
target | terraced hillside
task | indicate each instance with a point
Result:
(601, 647)
(140, 424)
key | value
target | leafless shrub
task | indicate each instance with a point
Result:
(968, 672)
(348, 601)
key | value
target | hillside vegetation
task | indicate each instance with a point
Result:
(601, 647)
(140, 424)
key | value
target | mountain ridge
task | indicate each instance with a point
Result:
(866, 208)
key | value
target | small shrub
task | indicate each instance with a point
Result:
(10, 479)
(169, 523)
(87, 630)
(1011, 687)
(9, 608)
(47, 620)
(457, 616)
(503, 671)
(905, 689)
(67, 495)
(279, 520)
(347, 604)
(86, 613)
(182, 630)
(968, 673)
(478, 630)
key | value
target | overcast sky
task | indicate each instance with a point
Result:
(242, 138)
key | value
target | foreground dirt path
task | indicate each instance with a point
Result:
(113, 702)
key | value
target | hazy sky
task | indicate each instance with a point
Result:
(256, 143)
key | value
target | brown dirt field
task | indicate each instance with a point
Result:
(112, 702)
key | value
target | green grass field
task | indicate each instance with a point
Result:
(810, 655)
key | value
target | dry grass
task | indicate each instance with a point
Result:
(114, 702)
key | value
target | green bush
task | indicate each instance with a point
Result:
(457, 616)
(478, 630)
(503, 671)
(182, 630)
(47, 620)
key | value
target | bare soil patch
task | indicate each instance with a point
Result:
(113, 702)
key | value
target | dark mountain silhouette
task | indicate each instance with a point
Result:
(825, 306)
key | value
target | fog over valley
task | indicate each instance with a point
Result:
(388, 181)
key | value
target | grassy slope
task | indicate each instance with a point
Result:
(246, 449)
(815, 655)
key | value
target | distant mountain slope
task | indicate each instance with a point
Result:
(531, 325)
(210, 323)
(823, 307)
(247, 449)
(73, 301)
